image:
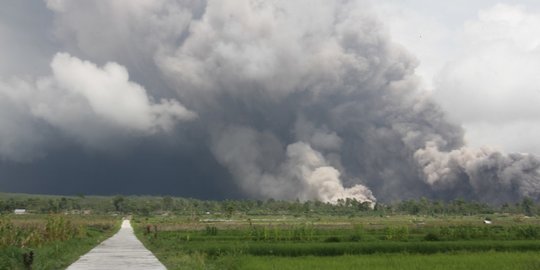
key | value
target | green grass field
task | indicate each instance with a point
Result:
(397, 242)
(465, 261)
(247, 234)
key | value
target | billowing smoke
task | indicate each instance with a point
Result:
(264, 169)
(487, 174)
(296, 99)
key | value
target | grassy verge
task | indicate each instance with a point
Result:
(21, 237)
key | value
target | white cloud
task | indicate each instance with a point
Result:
(481, 62)
(94, 105)
(109, 95)
(423, 34)
(493, 87)
(21, 136)
(516, 136)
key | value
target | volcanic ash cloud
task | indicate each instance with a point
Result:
(296, 99)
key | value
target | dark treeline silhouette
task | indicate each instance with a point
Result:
(150, 205)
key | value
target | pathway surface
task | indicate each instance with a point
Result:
(122, 251)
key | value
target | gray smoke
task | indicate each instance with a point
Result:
(264, 169)
(297, 99)
(488, 175)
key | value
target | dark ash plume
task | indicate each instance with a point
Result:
(296, 99)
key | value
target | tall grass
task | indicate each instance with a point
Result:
(48, 242)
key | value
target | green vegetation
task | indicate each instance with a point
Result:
(217, 243)
(155, 205)
(271, 234)
(50, 241)
(460, 260)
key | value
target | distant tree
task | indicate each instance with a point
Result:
(167, 203)
(378, 207)
(229, 207)
(424, 206)
(458, 205)
(505, 207)
(52, 206)
(364, 206)
(63, 203)
(118, 203)
(9, 205)
(527, 206)
(307, 206)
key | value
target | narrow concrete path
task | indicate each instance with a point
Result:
(122, 251)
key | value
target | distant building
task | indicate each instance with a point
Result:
(19, 211)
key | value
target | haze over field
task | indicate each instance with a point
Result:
(312, 100)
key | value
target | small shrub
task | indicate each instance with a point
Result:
(528, 232)
(28, 259)
(211, 230)
(396, 233)
(355, 238)
(332, 239)
(147, 229)
(155, 231)
(431, 237)
(59, 229)
(358, 233)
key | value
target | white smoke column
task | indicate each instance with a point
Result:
(319, 181)
(254, 159)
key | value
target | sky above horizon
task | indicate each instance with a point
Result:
(375, 100)
(479, 59)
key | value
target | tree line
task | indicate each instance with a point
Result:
(151, 205)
